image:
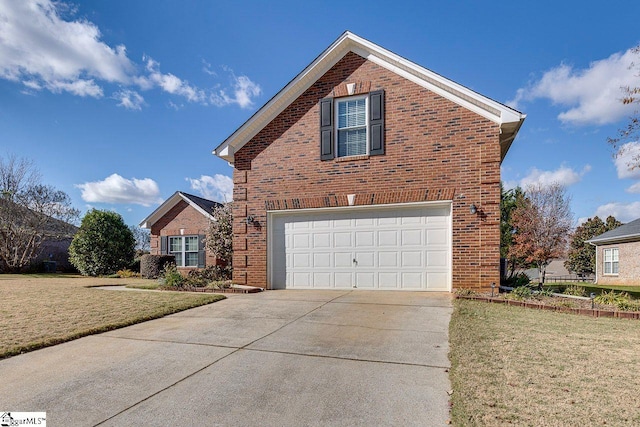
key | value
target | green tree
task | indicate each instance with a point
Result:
(508, 200)
(581, 258)
(103, 244)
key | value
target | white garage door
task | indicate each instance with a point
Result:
(373, 248)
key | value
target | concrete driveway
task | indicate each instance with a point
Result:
(278, 358)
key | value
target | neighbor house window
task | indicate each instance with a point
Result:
(185, 249)
(351, 126)
(610, 261)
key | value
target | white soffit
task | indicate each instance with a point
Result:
(349, 42)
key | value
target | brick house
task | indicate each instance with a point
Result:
(618, 255)
(178, 227)
(369, 171)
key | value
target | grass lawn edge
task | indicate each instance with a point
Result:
(37, 345)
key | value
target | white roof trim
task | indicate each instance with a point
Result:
(349, 42)
(167, 205)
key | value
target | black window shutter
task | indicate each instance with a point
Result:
(326, 129)
(163, 245)
(202, 252)
(376, 122)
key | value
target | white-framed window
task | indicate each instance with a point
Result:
(352, 123)
(610, 261)
(185, 249)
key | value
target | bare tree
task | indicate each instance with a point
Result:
(142, 237)
(632, 131)
(542, 220)
(30, 212)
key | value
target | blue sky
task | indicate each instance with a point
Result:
(119, 103)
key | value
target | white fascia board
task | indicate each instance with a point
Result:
(629, 238)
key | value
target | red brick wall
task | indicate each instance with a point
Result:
(181, 216)
(433, 147)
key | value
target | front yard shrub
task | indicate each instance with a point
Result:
(518, 280)
(521, 292)
(621, 300)
(126, 273)
(151, 266)
(171, 277)
(575, 290)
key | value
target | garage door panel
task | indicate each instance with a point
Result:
(412, 259)
(322, 260)
(343, 239)
(322, 240)
(412, 237)
(343, 259)
(382, 248)
(365, 238)
(387, 238)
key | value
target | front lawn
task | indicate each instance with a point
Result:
(513, 365)
(43, 310)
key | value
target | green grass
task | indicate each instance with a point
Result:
(44, 310)
(517, 366)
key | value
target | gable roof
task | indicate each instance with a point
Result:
(204, 206)
(509, 119)
(627, 232)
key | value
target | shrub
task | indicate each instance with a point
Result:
(126, 273)
(103, 244)
(171, 277)
(612, 298)
(518, 280)
(521, 292)
(545, 292)
(575, 290)
(151, 266)
(213, 273)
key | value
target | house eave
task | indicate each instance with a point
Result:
(620, 239)
(494, 111)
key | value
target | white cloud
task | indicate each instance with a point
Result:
(170, 83)
(563, 175)
(42, 50)
(635, 188)
(129, 99)
(244, 90)
(624, 212)
(116, 189)
(627, 155)
(217, 187)
(591, 95)
(43, 46)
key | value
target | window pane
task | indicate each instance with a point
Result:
(352, 113)
(352, 142)
(614, 255)
(178, 259)
(175, 244)
(191, 243)
(191, 259)
(615, 267)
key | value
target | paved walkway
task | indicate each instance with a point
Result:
(278, 358)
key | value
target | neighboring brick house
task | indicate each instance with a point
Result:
(178, 227)
(368, 171)
(618, 255)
